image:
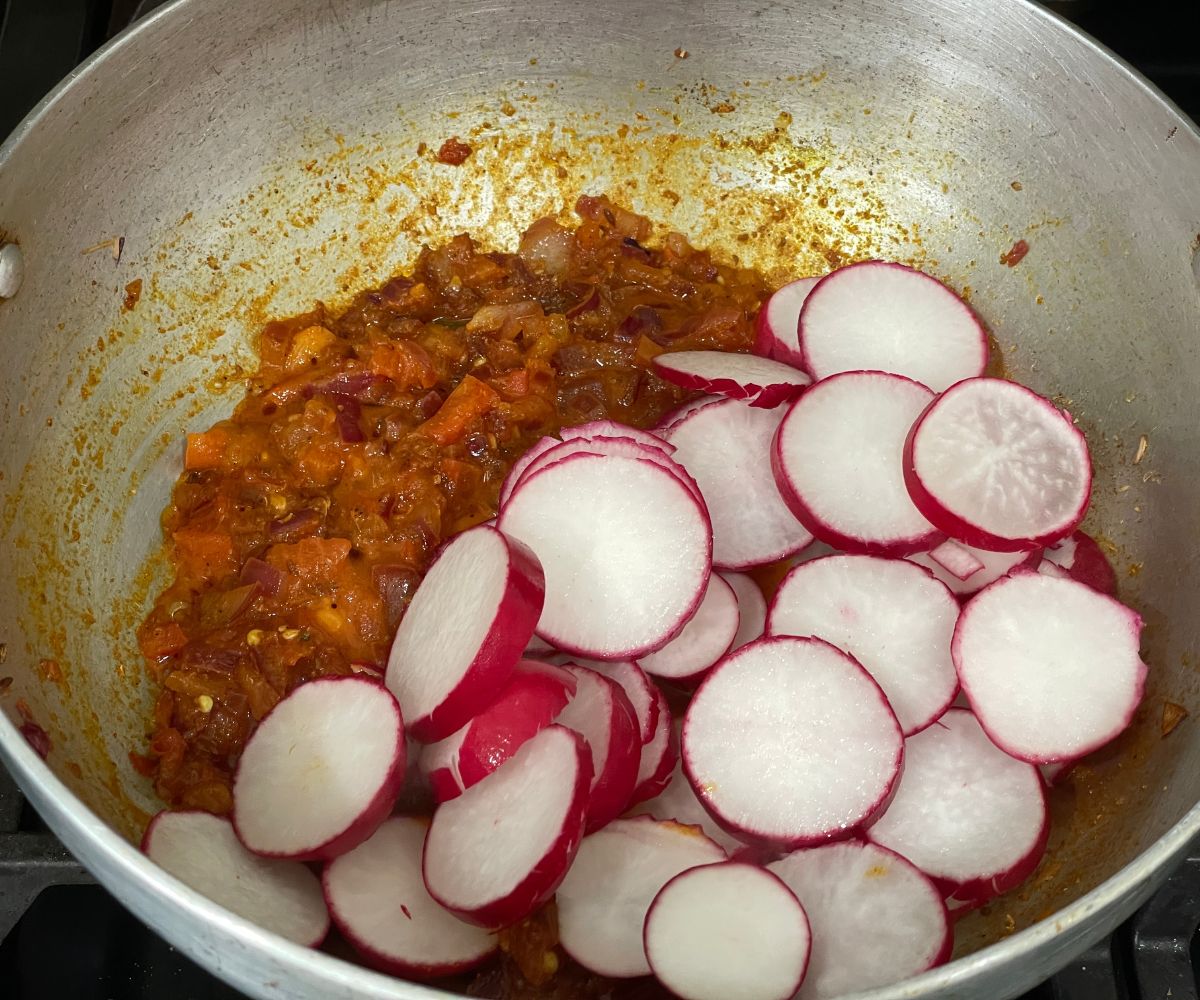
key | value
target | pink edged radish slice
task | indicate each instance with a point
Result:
(203, 852)
(876, 316)
(892, 616)
(1050, 667)
(995, 565)
(677, 801)
(838, 461)
(611, 429)
(659, 757)
(498, 851)
(957, 560)
(704, 639)
(680, 412)
(322, 770)
(790, 742)
(1081, 558)
(517, 470)
(761, 382)
(876, 919)
(752, 608)
(996, 465)
(602, 903)
(609, 531)
(467, 626)
(530, 700)
(643, 696)
(602, 714)
(967, 814)
(777, 329)
(727, 930)
(726, 447)
(380, 904)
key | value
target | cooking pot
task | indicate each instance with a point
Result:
(222, 162)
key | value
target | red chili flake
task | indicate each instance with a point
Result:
(1016, 254)
(404, 910)
(37, 738)
(453, 152)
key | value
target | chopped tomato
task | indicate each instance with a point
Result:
(206, 449)
(470, 400)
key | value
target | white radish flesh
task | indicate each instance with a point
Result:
(761, 382)
(996, 465)
(752, 608)
(790, 742)
(660, 756)
(995, 565)
(957, 560)
(322, 770)
(638, 688)
(677, 801)
(876, 919)
(704, 639)
(467, 626)
(678, 414)
(203, 852)
(893, 617)
(777, 329)
(602, 903)
(728, 930)
(1050, 666)
(876, 316)
(611, 429)
(1081, 558)
(380, 904)
(838, 461)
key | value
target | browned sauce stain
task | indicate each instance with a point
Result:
(1172, 715)
(453, 152)
(133, 292)
(1016, 185)
(50, 670)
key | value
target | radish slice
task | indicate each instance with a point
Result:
(759, 381)
(998, 466)
(893, 617)
(322, 770)
(498, 851)
(531, 699)
(680, 412)
(659, 757)
(777, 329)
(678, 802)
(726, 446)
(380, 904)
(838, 461)
(727, 930)
(537, 646)
(752, 608)
(704, 639)
(602, 902)
(876, 919)
(644, 533)
(957, 560)
(467, 626)
(643, 696)
(876, 316)
(790, 742)
(995, 565)
(518, 467)
(203, 852)
(967, 814)
(1051, 667)
(611, 429)
(1082, 559)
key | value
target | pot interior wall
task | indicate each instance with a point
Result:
(258, 157)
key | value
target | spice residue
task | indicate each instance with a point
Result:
(133, 292)
(1015, 255)
(1172, 715)
(453, 151)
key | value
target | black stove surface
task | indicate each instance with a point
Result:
(61, 935)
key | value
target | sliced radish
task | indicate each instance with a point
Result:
(638, 688)
(752, 608)
(602, 902)
(704, 639)
(726, 446)
(380, 904)
(876, 919)
(892, 616)
(838, 461)
(322, 770)
(996, 465)
(680, 412)
(967, 814)
(727, 930)
(644, 533)
(611, 429)
(537, 646)
(956, 559)
(203, 852)
(995, 565)
(876, 316)
(790, 742)
(530, 700)
(659, 757)
(1082, 559)
(467, 626)
(1051, 667)
(777, 330)
(677, 801)
(758, 381)
(602, 714)
(498, 851)
(518, 467)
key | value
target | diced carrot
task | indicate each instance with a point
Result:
(162, 640)
(307, 346)
(405, 363)
(206, 450)
(463, 476)
(511, 384)
(469, 401)
(206, 553)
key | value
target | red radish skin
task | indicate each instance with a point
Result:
(727, 930)
(968, 815)
(876, 919)
(752, 608)
(1050, 666)
(876, 316)
(789, 742)
(602, 903)
(611, 429)
(638, 688)
(517, 470)
(204, 853)
(1081, 558)
(659, 757)
(645, 533)
(680, 412)
(677, 801)
(302, 790)
(726, 447)
(995, 565)
(957, 560)
(704, 639)
(379, 902)
(838, 463)
(761, 382)
(491, 863)
(777, 329)
(467, 626)
(997, 466)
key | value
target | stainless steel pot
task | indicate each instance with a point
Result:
(254, 156)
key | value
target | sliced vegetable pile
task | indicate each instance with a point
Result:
(813, 816)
